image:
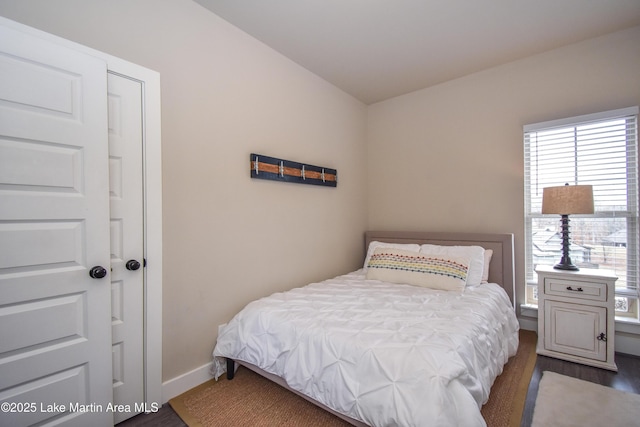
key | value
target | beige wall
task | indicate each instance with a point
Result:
(450, 157)
(229, 239)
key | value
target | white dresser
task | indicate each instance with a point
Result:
(576, 315)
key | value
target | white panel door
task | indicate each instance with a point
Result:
(55, 329)
(127, 251)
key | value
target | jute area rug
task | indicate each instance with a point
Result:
(564, 401)
(251, 400)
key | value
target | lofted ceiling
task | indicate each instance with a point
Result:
(378, 49)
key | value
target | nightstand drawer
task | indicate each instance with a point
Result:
(575, 289)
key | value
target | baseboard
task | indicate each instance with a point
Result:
(528, 324)
(627, 343)
(178, 385)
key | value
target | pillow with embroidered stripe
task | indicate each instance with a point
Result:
(433, 271)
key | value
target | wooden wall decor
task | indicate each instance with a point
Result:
(271, 168)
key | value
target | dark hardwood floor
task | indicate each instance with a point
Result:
(165, 417)
(627, 379)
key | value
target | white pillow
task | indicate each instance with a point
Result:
(375, 244)
(475, 255)
(488, 253)
(421, 269)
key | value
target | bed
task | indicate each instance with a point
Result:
(416, 337)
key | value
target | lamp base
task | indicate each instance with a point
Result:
(561, 266)
(565, 262)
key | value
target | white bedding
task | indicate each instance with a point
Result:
(382, 353)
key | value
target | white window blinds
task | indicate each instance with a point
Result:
(600, 150)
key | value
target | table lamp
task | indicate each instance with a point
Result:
(565, 200)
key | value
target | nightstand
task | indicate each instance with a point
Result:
(576, 315)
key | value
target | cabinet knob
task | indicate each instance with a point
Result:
(602, 337)
(569, 288)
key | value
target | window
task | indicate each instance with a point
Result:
(599, 150)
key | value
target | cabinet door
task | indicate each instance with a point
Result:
(574, 329)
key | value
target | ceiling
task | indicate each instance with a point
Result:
(378, 49)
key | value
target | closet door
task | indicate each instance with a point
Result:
(55, 295)
(127, 249)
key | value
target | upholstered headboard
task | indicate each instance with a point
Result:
(501, 268)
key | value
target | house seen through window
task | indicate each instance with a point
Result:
(598, 150)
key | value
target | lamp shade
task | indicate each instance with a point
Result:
(568, 199)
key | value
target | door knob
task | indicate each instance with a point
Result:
(132, 265)
(97, 272)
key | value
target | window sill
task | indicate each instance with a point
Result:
(628, 326)
(529, 310)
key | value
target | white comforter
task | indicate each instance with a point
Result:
(382, 353)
